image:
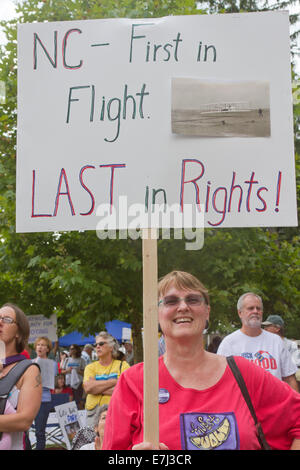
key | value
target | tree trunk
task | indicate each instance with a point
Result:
(137, 339)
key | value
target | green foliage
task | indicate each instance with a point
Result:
(235, 261)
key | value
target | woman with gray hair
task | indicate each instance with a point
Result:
(100, 377)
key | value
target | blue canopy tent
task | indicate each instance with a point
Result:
(76, 338)
(114, 328)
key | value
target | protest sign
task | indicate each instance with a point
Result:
(42, 326)
(48, 368)
(188, 112)
(69, 421)
(126, 334)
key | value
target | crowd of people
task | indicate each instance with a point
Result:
(87, 375)
(202, 389)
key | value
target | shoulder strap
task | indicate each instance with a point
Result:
(9, 380)
(12, 377)
(241, 383)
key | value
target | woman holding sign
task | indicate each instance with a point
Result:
(200, 403)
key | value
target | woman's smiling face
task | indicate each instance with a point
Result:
(182, 312)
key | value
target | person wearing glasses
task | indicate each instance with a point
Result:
(201, 406)
(101, 376)
(25, 397)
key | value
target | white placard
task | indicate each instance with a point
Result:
(42, 326)
(47, 367)
(69, 421)
(53, 434)
(126, 334)
(186, 112)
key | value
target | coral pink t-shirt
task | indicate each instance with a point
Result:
(216, 418)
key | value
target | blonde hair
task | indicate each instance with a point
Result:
(47, 341)
(181, 280)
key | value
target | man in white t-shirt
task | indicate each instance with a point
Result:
(265, 349)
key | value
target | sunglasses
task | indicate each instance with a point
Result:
(173, 301)
(101, 343)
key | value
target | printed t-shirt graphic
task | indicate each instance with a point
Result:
(209, 431)
(262, 358)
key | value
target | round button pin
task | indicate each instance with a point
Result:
(163, 395)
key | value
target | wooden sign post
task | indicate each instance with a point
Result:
(150, 309)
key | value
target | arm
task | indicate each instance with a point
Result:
(268, 393)
(125, 366)
(288, 368)
(64, 368)
(295, 444)
(123, 425)
(291, 380)
(97, 387)
(149, 446)
(28, 403)
(55, 349)
(80, 370)
(109, 391)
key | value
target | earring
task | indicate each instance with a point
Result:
(206, 325)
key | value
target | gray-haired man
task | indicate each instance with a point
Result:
(257, 345)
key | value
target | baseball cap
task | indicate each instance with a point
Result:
(273, 320)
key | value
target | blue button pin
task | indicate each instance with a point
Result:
(163, 395)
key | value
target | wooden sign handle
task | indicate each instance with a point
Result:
(150, 314)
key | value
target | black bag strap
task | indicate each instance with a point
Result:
(10, 379)
(241, 383)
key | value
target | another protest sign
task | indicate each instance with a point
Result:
(69, 421)
(42, 326)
